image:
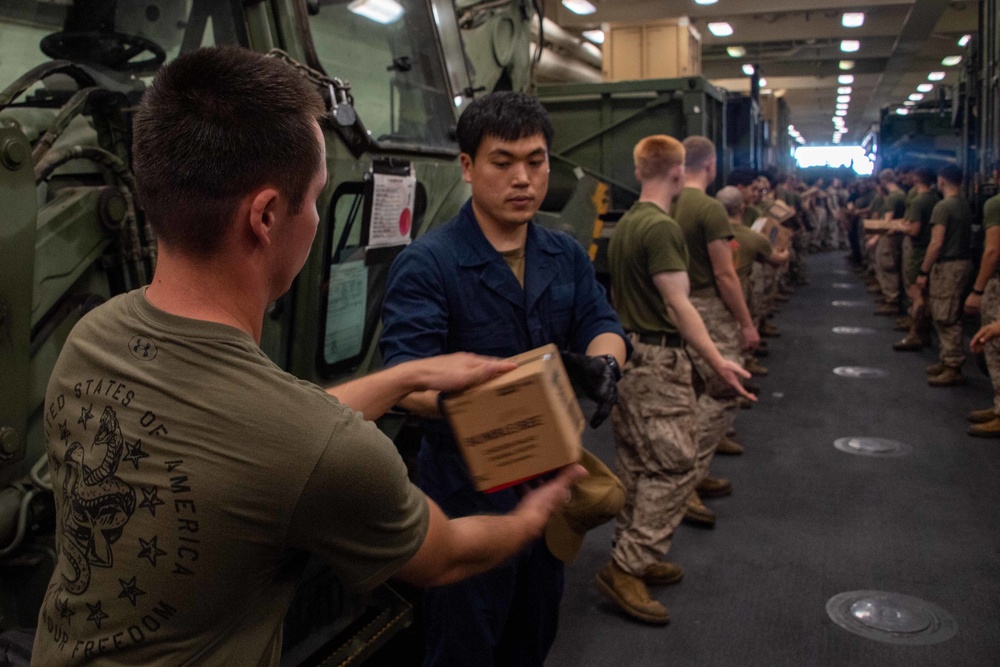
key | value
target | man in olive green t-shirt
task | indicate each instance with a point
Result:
(917, 234)
(945, 274)
(653, 422)
(889, 247)
(718, 296)
(985, 299)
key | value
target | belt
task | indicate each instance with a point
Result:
(660, 339)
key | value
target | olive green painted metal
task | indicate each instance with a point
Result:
(598, 124)
(17, 236)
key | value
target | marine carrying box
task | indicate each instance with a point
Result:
(518, 425)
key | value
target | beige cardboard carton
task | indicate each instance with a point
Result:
(519, 425)
(779, 211)
(780, 237)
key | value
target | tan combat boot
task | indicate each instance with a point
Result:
(888, 309)
(949, 377)
(663, 574)
(697, 513)
(982, 416)
(768, 330)
(714, 487)
(935, 369)
(630, 594)
(754, 368)
(729, 447)
(990, 429)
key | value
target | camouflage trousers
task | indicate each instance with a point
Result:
(947, 288)
(717, 404)
(991, 303)
(756, 295)
(654, 431)
(888, 255)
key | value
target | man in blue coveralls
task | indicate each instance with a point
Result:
(492, 281)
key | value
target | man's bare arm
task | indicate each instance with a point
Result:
(731, 292)
(458, 548)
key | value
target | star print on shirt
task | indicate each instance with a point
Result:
(86, 414)
(64, 432)
(150, 551)
(62, 606)
(134, 453)
(96, 614)
(130, 590)
(150, 498)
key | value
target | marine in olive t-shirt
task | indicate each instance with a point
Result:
(894, 203)
(991, 212)
(750, 214)
(646, 241)
(748, 247)
(956, 216)
(919, 210)
(192, 478)
(703, 219)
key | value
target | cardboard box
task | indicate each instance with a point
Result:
(878, 225)
(519, 425)
(779, 211)
(779, 236)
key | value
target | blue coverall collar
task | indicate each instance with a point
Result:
(496, 275)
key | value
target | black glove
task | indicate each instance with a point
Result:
(596, 378)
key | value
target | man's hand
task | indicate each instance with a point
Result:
(922, 283)
(731, 373)
(597, 378)
(984, 335)
(454, 372)
(973, 304)
(871, 241)
(751, 338)
(539, 504)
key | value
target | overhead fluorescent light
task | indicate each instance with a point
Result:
(458, 100)
(902, 111)
(748, 70)
(705, 2)
(841, 105)
(596, 36)
(951, 61)
(935, 76)
(841, 112)
(800, 140)
(845, 79)
(916, 97)
(846, 64)
(925, 87)
(837, 120)
(849, 45)
(909, 103)
(765, 91)
(964, 41)
(853, 19)
(843, 98)
(763, 82)
(581, 7)
(380, 11)
(844, 90)
(736, 51)
(719, 29)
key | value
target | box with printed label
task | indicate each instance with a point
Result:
(518, 425)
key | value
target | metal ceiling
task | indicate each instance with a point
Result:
(797, 45)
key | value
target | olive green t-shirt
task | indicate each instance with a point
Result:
(703, 219)
(956, 216)
(876, 207)
(991, 212)
(919, 210)
(646, 241)
(192, 479)
(515, 260)
(750, 214)
(894, 203)
(748, 247)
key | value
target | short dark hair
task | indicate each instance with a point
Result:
(951, 173)
(216, 124)
(741, 177)
(925, 175)
(506, 115)
(699, 151)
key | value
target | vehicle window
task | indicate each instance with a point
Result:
(395, 71)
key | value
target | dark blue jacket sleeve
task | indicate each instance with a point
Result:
(592, 312)
(415, 310)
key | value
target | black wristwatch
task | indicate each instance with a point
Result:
(977, 292)
(924, 273)
(613, 364)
